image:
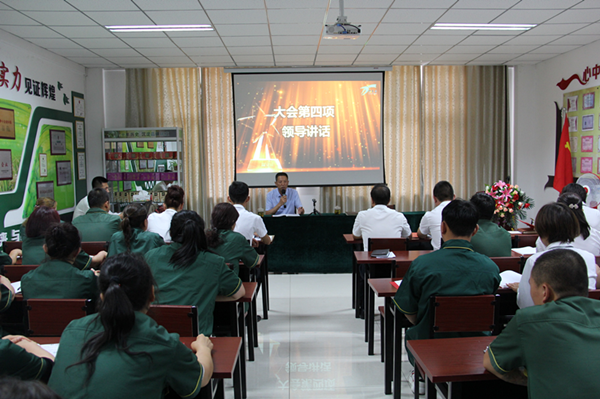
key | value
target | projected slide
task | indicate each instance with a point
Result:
(322, 129)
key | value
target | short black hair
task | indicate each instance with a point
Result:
(97, 197)
(98, 181)
(380, 194)
(485, 205)
(281, 174)
(443, 191)
(15, 388)
(556, 223)
(461, 217)
(238, 192)
(575, 188)
(564, 270)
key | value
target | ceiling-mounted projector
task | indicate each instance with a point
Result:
(342, 28)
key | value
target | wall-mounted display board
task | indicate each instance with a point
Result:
(139, 159)
(583, 111)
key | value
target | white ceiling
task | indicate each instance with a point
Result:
(270, 33)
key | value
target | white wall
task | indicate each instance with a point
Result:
(535, 94)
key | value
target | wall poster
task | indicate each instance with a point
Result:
(6, 165)
(7, 123)
(58, 142)
(63, 173)
(583, 112)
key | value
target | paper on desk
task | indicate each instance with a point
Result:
(513, 232)
(524, 250)
(508, 277)
(391, 255)
(286, 215)
(17, 286)
(396, 283)
(52, 348)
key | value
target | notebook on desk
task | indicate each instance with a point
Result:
(380, 253)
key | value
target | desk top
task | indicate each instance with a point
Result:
(225, 352)
(452, 359)
(401, 256)
(382, 287)
(250, 289)
(351, 240)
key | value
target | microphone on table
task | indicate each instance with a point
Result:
(314, 202)
(282, 194)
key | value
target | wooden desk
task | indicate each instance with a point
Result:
(357, 245)
(225, 356)
(454, 360)
(250, 275)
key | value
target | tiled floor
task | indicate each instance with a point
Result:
(312, 346)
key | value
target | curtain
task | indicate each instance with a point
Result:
(440, 123)
(170, 97)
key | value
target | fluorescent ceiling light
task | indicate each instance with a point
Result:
(158, 28)
(451, 26)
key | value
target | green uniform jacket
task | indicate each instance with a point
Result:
(6, 298)
(5, 259)
(141, 242)
(97, 225)
(234, 248)
(558, 343)
(58, 279)
(161, 361)
(453, 270)
(197, 285)
(17, 362)
(491, 239)
(33, 254)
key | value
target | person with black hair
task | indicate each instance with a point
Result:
(558, 227)
(557, 340)
(23, 358)
(380, 221)
(160, 223)
(57, 278)
(134, 236)
(187, 273)
(83, 206)
(283, 200)
(248, 224)
(431, 222)
(225, 242)
(454, 270)
(491, 239)
(38, 222)
(14, 388)
(97, 224)
(121, 352)
(589, 239)
(591, 215)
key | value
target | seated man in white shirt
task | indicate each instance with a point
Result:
(380, 221)
(592, 216)
(431, 223)
(83, 206)
(248, 224)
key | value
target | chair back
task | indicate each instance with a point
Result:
(595, 294)
(49, 317)
(505, 263)
(16, 272)
(10, 245)
(93, 247)
(179, 319)
(393, 244)
(462, 313)
(526, 240)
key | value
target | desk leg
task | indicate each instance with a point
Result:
(237, 379)
(241, 325)
(371, 322)
(388, 345)
(254, 323)
(251, 322)
(397, 392)
(354, 282)
(430, 391)
(366, 289)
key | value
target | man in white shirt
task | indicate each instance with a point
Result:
(592, 216)
(431, 223)
(380, 221)
(83, 206)
(248, 224)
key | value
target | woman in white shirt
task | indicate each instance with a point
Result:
(160, 223)
(557, 227)
(589, 239)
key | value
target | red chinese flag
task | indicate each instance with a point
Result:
(563, 173)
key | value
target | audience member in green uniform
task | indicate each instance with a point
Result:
(490, 239)
(552, 347)
(9, 259)
(57, 278)
(229, 244)
(134, 238)
(121, 352)
(97, 224)
(24, 358)
(7, 294)
(33, 244)
(43, 201)
(187, 274)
